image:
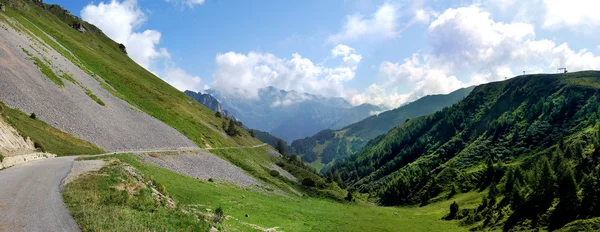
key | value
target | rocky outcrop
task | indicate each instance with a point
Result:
(15, 149)
(208, 101)
(21, 159)
(11, 143)
(79, 27)
(123, 48)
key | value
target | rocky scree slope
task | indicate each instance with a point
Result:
(115, 125)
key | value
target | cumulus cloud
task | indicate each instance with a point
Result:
(469, 42)
(242, 75)
(424, 15)
(180, 79)
(383, 24)
(377, 95)
(119, 21)
(188, 3)
(571, 14)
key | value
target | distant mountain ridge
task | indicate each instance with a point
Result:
(290, 114)
(208, 101)
(328, 145)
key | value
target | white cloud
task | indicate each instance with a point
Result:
(571, 14)
(188, 3)
(119, 21)
(424, 15)
(377, 95)
(243, 75)
(382, 24)
(469, 42)
(181, 80)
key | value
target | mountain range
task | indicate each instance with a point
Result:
(291, 115)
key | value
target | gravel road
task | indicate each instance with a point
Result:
(30, 198)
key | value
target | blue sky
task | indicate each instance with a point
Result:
(379, 52)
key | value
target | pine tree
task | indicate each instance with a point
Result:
(590, 202)
(280, 147)
(453, 211)
(566, 210)
(231, 130)
(252, 134)
(493, 192)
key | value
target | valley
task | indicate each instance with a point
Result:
(92, 139)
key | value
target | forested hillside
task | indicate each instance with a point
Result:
(532, 142)
(328, 145)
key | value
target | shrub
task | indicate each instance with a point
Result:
(1, 158)
(308, 182)
(453, 211)
(252, 134)
(38, 146)
(218, 114)
(219, 215)
(349, 196)
(211, 180)
(32, 116)
(162, 189)
(274, 173)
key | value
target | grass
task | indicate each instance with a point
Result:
(100, 57)
(286, 212)
(53, 140)
(317, 164)
(47, 71)
(98, 205)
(93, 96)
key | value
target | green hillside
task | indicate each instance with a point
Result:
(101, 58)
(532, 142)
(328, 145)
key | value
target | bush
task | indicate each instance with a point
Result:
(162, 189)
(218, 114)
(453, 211)
(308, 182)
(1, 158)
(33, 116)
(211, 180)
(349, 196)
(219, 215)
(274, 173)
(38, 146)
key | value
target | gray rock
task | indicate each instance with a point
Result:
(118, 126)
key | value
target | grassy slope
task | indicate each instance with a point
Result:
(513, 123)
(368, 128)
(287, 212)
(97, 54)
(52, 139)
(97, 205)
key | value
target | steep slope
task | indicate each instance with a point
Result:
(535, 135)
(85, 85)
(328, 145)
(43, 136)
(291, 115)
